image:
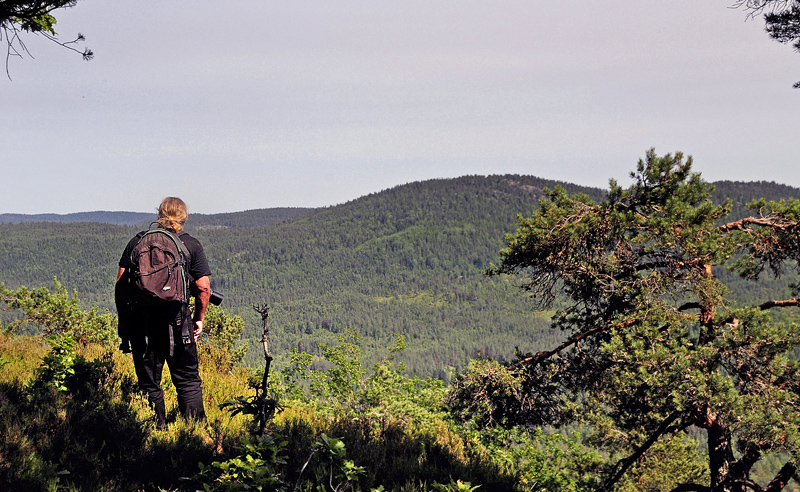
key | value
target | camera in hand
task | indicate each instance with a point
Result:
(216, 297)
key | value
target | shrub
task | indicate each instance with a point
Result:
(55, 312)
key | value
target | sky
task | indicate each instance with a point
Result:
(242, 105)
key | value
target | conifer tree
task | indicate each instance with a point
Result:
(652, 343)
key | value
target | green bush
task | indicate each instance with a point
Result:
(255, 467)
(222, 332)
(55, 312)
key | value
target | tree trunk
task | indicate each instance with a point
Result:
(720, 457)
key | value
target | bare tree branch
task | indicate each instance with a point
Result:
(772, 222)
(756, 7)
(262, 400)
(781, 478)
(779, 303)
(575, 339)
(622, 465)
(86, 53)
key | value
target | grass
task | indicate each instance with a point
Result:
(393, 432)
(99, 435)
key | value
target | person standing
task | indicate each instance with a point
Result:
(159, 334)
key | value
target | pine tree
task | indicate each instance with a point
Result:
(653, 344)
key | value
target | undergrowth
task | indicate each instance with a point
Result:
(72, 419)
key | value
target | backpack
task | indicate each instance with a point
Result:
(158, 269)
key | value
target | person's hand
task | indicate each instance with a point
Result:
(198, 329)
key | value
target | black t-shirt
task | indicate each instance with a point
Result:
(197, 265)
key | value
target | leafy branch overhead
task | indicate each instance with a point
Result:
(25, 16)
(653, 343)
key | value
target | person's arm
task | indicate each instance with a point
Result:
(119, 274)
(201, 297)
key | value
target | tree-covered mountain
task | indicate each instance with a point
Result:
(408, 260)
(742, 193)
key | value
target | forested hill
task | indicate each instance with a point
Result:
(407, 260)
(741, 193)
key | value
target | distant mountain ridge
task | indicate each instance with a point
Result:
(106, 217)
(248, 218)
(741, 192)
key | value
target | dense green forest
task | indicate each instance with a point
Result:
(408, 260)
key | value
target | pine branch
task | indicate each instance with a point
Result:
(573, 340)
(741, 225)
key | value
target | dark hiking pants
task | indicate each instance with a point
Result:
(149, 356)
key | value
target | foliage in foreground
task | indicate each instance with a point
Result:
(26, 16)
(73, 420)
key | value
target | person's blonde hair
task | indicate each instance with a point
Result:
(172, 214)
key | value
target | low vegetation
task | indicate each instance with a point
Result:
(72, 419)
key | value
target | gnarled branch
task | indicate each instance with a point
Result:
(741, 225)
(779, 303)
(573, 340)
(622, 465)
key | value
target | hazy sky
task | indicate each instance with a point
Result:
(252, 104)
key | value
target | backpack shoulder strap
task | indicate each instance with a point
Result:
(181, 245)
